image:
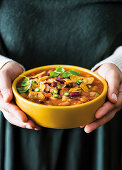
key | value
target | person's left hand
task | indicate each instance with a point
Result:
(104, 114)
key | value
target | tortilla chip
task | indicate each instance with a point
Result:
(74, 78)
(37, 75)
(36, 95)
(88, 80)
(75, 89)
(43, 78)
(68, 80)
(42, 86)
(84, 87)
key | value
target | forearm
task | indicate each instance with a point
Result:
(115, 58)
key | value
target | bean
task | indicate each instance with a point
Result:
(60, 79)
(68, 84)
(53, 84)
(84, 99)
(75, 94)
(51, 89)
(92, 93)
(62, 91)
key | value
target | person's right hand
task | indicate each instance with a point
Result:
(10, 111)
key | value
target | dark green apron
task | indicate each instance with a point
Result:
(77, 32)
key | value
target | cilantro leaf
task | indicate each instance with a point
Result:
(54, 74)
(73, 72)
(23, 89)
(66, 75)
(60, 69)
(32, 82)
(25, 82)
(26, 85)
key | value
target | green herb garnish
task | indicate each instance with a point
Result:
(54, 74)
(73, 72)
(26, 85)
(25, 81)
(60, 69)
(66, 75)
(23, 89)
(62, 73)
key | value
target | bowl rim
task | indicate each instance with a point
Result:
(104, 92)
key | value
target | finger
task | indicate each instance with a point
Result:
(107, 107)
(113, 79)
(32, 125)
(119, 103)
(99, 122)
(12, 108)
(82, 126)
(5, 86)
(13, 120)
(15, 112)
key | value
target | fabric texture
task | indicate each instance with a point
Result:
(115, 58)
(77, 32)
(4, 60)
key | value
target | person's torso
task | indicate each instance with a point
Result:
(74, 32)
(78, 32)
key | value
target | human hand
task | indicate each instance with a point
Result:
(104, 114)
(10, 111)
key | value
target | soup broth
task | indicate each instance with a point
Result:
(60, 87)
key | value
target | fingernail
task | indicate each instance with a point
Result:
(28, 127)
(114, 96)
(36, 128)
(86, 130)
(81, 126)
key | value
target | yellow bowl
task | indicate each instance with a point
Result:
(60, 117)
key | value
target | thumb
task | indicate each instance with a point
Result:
(5, 86)
(113, 79)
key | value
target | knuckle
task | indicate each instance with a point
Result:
(3, 75)
(113, 73)
(3, 72)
